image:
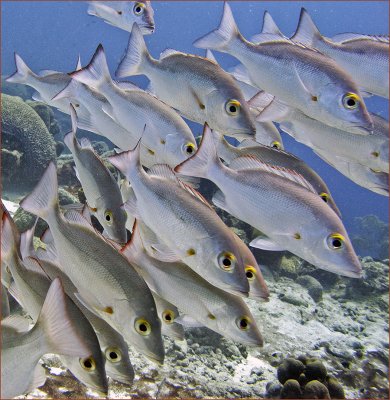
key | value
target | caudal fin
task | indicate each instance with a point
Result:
(9, 238)
(96, 73)
(222, 37)
(43, 200)
(23, 72)
(136, 55)
(59, 335)
(128, 161)
(206, 156)
(307, 32)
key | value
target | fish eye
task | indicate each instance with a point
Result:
(232, 107)
(351, 101)
(335, 241)
(250, 273)
(227, 261)
(168, 316)
(189, 148)
(243, 323)
(139, 8)
(89, 364)
(113, 354)
(142, 327)
(324, 196)
(108, 217)
(276, 145)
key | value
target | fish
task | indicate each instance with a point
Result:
(5, 311)
(260, 194)
(220, 311)
(190, 229)
(168, 313)
(53, 332)
(195, 86)
(278, 158)
(371, 151)
(118, 295)
(30, 288)
(364, 57)
(162, 129)
(100, 187)
(123, 14)
(298, 75)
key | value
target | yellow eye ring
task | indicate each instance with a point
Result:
(88, 363)
(142, 327)
(351, 101)
(113, 354)
(227, 261)
(250, 273)
(189, 148)
(243, 323)
(168, 316)
(139, 8)
(336, 241)
(108, 217)
(324, 196)
(233, 107)
(276, 145)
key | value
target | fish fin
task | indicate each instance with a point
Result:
(197, 99)
(241, 74)
(38, 97)
(38, 378)
(130, 206)
(206, 156)
(70, 137)
(127, 161)
(27, 241)
(269, 25)
(33, 265)
(219, 200)
(189, 180)
(150, 89)
(96, 73)
(128, 86)
(168, 52)
(265, 244)
(136, 55)
(196, 194)
(91, 304)
(47, 236)
(187, 321)
(275, 111)
(210, 56)
(222, 37)
(47, 72)
(108, 109)
(48, 254)
(261, 100)
(76, 218)
(23, 72)
(16, 322)
(86, 213)
(69, 91)
(135, 244)
(307, 32)
(86, 144)
(78, 64)
(56, 327)
(10, 238)
(13, 290)
(163, 171)
(350, 37)
(261, 38)
(43, 200)
(76, 173)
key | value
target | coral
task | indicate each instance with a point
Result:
(315, 390)
(60, 147)
(24, 131)
(273, 390)
(290, 369)
(291, 390)
(100, 147)
(315, 370)
(335, 389)
(47, 115)
(313, 287)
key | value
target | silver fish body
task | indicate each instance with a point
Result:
(260, 195)
(123, 14)
(118, 295)
(5, 311)
(300, 76)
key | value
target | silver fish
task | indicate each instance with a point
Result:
(298, 75)
(118, 295)
(5, 311)
(279, 158)
(123, 14)
(364, 57)
(100, 187)
(54, 332)
(195, 86)
(163, 131)
(30, 287)
(190, 229)
(192, 295)
(260, 194)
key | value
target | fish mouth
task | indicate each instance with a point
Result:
(159, 360)
(121, 378)
(149, 28)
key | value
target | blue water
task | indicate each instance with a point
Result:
(51, 35)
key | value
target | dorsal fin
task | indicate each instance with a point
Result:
(196, 194)
(47, 72)
(269, 25)
(168, 52)
(349, 37)
(126, 85)
(250, 162)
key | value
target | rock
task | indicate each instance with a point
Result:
(293, 298)
(60, 147)
(335, 389)
(315, 370)
(290, 369)
(25, 220)
(24, 131)
(47, 115)
(315, 390)
(289, 266)
(100, 147)
(273, 390)
(291, 390)
(312, 285)
(65, 198)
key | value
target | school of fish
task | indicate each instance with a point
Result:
(162, 258)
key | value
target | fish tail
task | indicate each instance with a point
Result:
(69, 91)
(136, 55)
(222, 37)
(55, 327)
(9, 238)
(96, 73)
(307, 32)
(201, 163)
(224, 149)
(43, 200)
(23, 73)
(128, 161)
(134, 246)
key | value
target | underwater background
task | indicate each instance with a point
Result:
(51, 35)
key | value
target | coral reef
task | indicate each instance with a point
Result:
(47, 115)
